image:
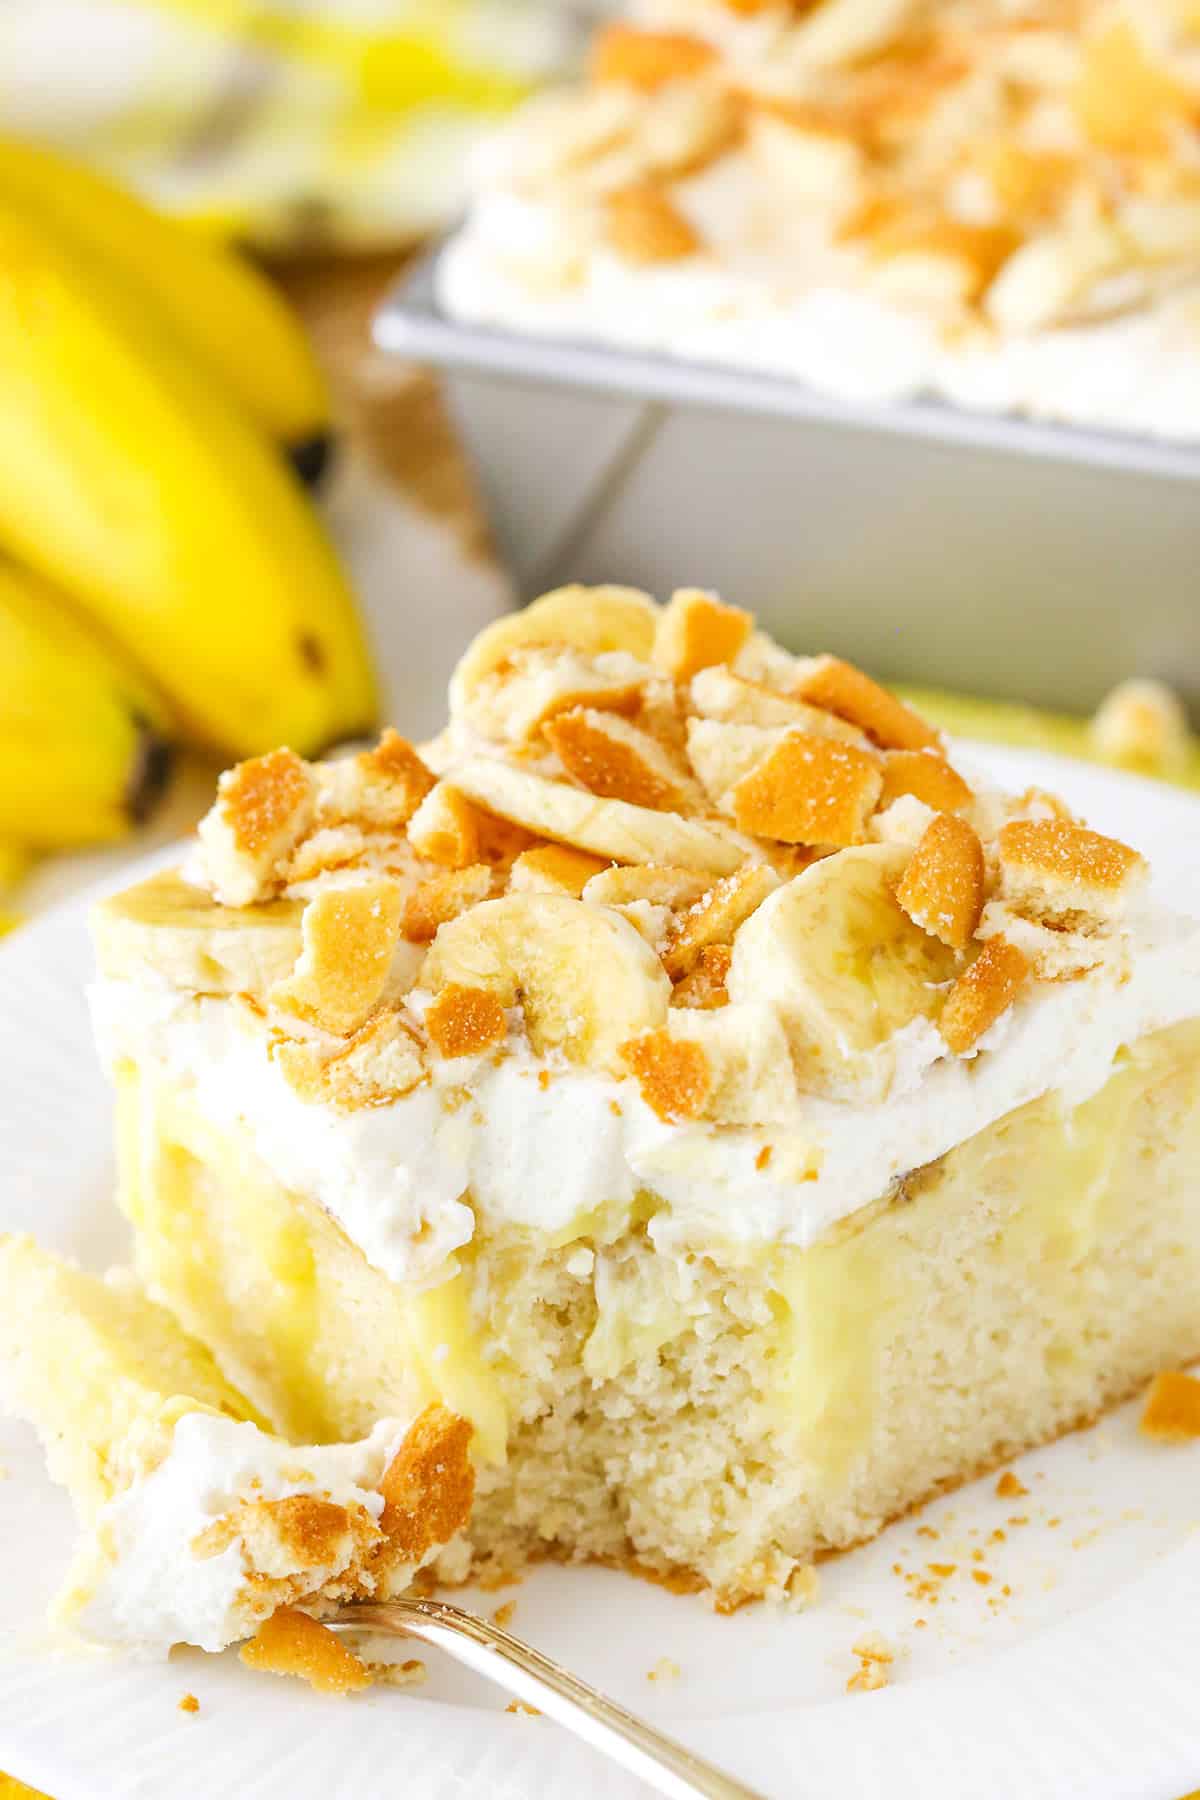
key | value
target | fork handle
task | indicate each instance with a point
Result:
(665, 1765)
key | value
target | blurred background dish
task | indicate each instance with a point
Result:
(171, 597)
(897, 305)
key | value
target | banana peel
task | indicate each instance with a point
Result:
(129, 480)
(226, 314)
(83, 742)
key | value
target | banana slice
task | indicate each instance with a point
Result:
(586, 980)
(166, 930)
(844, 968)
(591, 619)
(610, 828)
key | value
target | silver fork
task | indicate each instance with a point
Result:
(539, 1681)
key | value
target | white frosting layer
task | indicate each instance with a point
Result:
(154, 1591)
(397, 1178)
(755, 301)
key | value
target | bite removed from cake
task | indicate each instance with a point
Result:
(200, 1525)
(686, 1069)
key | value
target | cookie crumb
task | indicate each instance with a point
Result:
(1009, 1488)
(875, 1657)
(503, 1614)
(1172, 1410)
(189, 1704)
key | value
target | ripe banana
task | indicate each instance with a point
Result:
(843, 967)
(80, 733)
(128, 478)
(166, 930)
(594, 620)
(224, 313)
(586, 980)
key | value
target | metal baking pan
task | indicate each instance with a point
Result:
(991, 554)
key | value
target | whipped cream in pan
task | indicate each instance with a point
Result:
(1136, 372)
(150, 1589)
(405, 1181)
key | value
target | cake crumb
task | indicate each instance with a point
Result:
(1009, 1487)
(189, 1704)
(927, 1531)
(804, 1584)
(520, 1706)
(503, 1615)
(664, 1670)
(941, 1570)
(410, 1673)
(764, 1156)
(982, 1577)
(875, 1657)
(1172, 1410)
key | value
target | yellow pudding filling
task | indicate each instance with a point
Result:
(821, 1390)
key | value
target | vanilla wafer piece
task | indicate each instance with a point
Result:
(379, 789)
(1052, 869)
(982, 994)
(715, 918)
(808, 790)
(643, 225)
(262, 810)
(514, 701)
(463, 1021)
(1172, 1410)
(697, 631)
(661, 884)
(647, 60)
(446, 828)
(348, 937)
(608, 756)
(706, 985)
(718, 693)
(554, 869)
(673, 1073)
(442, 897)
(289, 1642)
(841, 688)
(927, 776)
(942, 889)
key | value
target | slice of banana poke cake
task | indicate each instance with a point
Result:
(682, 1070)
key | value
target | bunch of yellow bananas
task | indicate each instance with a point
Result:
(163, 575)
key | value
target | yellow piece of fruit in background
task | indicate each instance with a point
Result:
(225, 313)
(82, 745)
(129, 479)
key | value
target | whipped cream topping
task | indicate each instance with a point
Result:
(799, 315)
(151, 1589)
(529, 1142)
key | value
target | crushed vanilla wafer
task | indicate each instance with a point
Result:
(1172, 1409)
(658, 846)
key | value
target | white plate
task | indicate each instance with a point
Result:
(1072, 1672)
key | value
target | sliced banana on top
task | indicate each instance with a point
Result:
(586, 979)
(166, 929)
(590, 619)
(608, 828)
(844, 968)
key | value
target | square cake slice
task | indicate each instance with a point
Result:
(686, 1070)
